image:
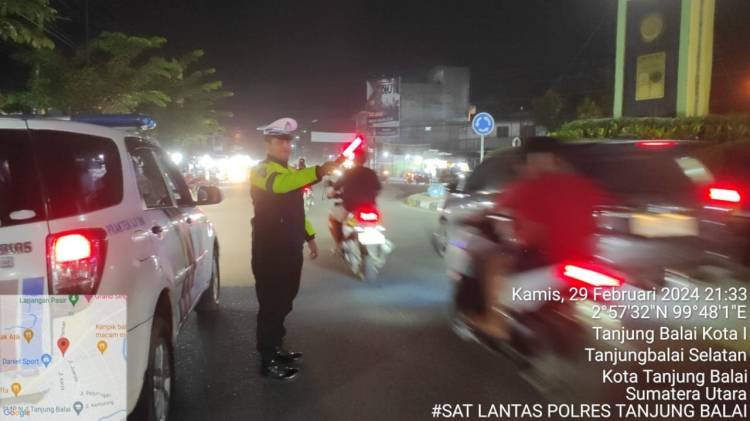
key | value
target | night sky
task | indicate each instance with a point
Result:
(310, 59)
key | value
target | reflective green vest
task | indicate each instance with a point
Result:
(277, 192)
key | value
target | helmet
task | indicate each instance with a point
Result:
(281, 127)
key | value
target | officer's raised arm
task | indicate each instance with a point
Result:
(273, 179)
(277, 179)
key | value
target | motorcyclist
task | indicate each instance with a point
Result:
(359, 186)
(552, 209)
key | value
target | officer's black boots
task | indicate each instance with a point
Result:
(287, 357)
(277, 370)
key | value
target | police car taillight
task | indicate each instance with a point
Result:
(75, 261)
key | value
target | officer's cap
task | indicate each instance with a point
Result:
(283, 128)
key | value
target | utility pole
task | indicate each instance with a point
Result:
(86, 19)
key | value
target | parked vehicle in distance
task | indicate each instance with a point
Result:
(416, 177)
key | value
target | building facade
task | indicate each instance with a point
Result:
(432, 112)
(434, 115)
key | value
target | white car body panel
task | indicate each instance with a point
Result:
(138, 264)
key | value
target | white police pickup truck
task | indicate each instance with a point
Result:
(86, 209)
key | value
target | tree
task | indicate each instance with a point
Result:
(118, 73)
(588, 109)
(110, 75)
(191, 115)
(547, 109)
(23, 21)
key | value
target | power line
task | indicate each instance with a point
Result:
(60, 36)
(47, 29)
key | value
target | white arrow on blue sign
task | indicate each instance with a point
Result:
(483, 124)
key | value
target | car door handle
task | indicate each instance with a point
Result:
(157, 229)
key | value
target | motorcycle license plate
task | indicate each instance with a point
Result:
(371, 237)
(663, 225)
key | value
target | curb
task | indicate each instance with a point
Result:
(423, 201)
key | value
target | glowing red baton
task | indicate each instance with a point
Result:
(349, 151)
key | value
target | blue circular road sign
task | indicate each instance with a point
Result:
(483, 124)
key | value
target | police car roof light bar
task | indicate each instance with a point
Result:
(123, 121)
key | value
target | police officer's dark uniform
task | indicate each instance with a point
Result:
(280, 230)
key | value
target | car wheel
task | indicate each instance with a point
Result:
(209, 300)
(158, 383)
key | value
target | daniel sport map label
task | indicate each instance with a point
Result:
(63, 357)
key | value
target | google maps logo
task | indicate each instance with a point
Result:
(16, 411)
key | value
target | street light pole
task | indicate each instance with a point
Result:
(481, 148)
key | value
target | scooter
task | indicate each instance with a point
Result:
(364, 247)
(546, 336)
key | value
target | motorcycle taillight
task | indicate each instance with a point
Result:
(75, 261)
(367, 215)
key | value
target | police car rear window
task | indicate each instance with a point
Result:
(20, 195)
(81, 173)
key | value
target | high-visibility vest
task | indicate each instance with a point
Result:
(277, 192)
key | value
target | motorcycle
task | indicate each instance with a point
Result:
(546, 335)
(364, 247)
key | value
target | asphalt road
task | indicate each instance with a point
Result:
(381, 351)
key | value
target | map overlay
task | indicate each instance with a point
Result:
(63, 357)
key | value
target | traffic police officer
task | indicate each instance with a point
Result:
(279, 231)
